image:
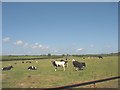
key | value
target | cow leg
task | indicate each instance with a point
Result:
(66, 65)
(55, 68)
(76, 69)
(73, 68)
(63, 67)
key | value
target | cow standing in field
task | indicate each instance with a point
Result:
(66, 62)
(78, 65)
(7, 68)
(61, 63)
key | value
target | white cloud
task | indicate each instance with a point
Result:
(19, 42)
(55, 51)
(6, 39)
(80, 49)
(34, 46)
(26, 44)
(91, 45)
(40, 46)
(47, 47)
(44, 48)
(36, 43)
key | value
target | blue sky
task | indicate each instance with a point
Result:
(60, 0)
(60, 28)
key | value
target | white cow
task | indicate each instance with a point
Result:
(62, 64)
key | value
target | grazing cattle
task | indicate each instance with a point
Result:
(61, 63)
(22, 61)
(66, 62)
(83, 63)
(100, 57)
(78, 65)
(7, 68)
(61, 60)
(28, 61)
(32, 68)
(83, 57)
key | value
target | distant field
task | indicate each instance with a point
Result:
(45, 76)
(13, 58)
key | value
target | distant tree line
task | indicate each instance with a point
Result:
(95, 55)
(50, 56)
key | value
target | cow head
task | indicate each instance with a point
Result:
(11, 66)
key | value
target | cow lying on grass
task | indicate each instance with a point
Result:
(7, 68)
(61, 63)
(32, 68)
(78, 65)
(28, 61)
(100, 57)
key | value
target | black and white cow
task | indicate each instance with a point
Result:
(7, 68)
(61, 60)
(32, 68)
(83, 63)
(66, 62)
(78, 65)
(61, 63)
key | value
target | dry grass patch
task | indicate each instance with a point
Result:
(37, 81)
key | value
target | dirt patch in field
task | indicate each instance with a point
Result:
(3, 76)
(0, 77)
(37, 81)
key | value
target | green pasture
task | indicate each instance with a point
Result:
(46, 77)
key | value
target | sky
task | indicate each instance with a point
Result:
(59, 28)
(60, 0)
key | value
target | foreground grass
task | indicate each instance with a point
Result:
(45, 76)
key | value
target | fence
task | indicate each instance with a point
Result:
(86, 83)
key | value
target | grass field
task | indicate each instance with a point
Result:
(45, 76)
